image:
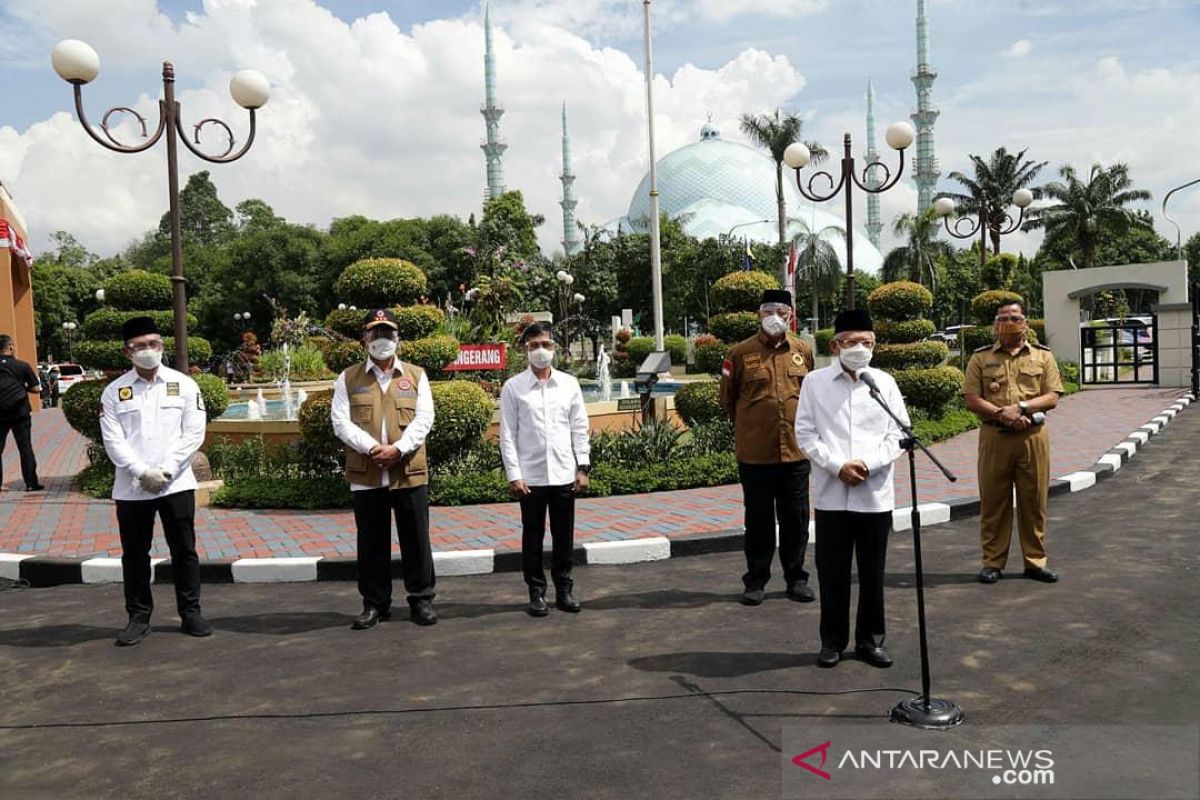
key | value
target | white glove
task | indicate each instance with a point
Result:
(154, 480)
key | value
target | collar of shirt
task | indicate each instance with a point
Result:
(533, 380)
(997, 347)
(372, 367)
(765, 341)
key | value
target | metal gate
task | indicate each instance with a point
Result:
(1119, 352)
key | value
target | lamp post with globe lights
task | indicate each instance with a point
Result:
(999, 224)
(242, 318)
(77, 63)
(565, 280)
(69, 330)
(899, 136)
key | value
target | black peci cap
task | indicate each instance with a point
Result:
(855, 319)
(781, 296)
(138, 326)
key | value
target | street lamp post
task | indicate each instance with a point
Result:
(69, 330)
(77, 63)
(944, 207)
(242, 318)
(899, 136)
(565, 279)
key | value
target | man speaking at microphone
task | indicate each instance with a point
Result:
(851, 442)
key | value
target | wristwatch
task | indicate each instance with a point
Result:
(1021, 404)
(586, 469)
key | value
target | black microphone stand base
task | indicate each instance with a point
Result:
(930, 715)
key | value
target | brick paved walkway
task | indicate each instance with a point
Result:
(64, 523)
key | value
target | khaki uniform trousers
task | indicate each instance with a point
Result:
(1020, 459)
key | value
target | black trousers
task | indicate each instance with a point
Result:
(560, 502)
(135, 519)
(843, 536)
(773, 492)
(373, 510)
(22, 432)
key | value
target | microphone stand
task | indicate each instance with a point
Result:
(923, 711)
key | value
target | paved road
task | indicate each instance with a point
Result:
(286, 701)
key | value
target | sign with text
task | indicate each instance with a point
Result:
(479, 357)
(629, 404)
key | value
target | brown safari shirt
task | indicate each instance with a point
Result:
(1004, 379)
(760, 385)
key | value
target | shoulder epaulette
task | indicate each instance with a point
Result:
(985, 347)
(1039, 346)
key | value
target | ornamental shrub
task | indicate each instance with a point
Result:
(985, 304)
(320, 450)
(106, 323)
(623, 336)
(304, 363)
(741, 291)
(342, 354)
(346, 322)
(136, 290)
(698, 402)
(824, 336)
(913, 330)
(1038, 326)
(734, 326)
(929, 389)
(463, 411)
(676, 345)
(81, 407)
(900, 301)
(418, 322)
(709, 357)
(918, 355)
(638, 349)
(216, 397)
(380, 283)
(431, 354)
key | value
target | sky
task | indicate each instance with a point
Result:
(375, 104)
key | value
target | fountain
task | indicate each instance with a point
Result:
(285, 388)
(604, 375)
(254, 410)
(625, 395)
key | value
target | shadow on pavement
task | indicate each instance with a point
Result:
(283, 623)
(659, 598)
(716, 664)
(906, 580)
(55, 636)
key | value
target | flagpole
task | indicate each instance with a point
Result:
(655, 241)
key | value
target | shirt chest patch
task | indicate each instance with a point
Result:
(752, 361)
(172, 390)
(125, 393)
(360, 390)
(404, 385)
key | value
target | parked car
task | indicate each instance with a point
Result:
(949, 335)
(69, 375)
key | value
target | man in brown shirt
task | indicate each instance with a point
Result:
(760, 384)
(1007, 385)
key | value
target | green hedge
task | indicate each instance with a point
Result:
(342, 354)
(107, 353)
(283, 492)
(913, 330)
(304, 363)
(985, 304)
(944, 426)
(346, 322)
(824, 336)
(929, 389)
(741, 291)
(733, 327)
(380, 283)
(137, 289)
(677, 473)
(900, 301)
(418, 322)
(918, 355)
(468, 488)
(216, 396)
(430, 354)
(698, 402)
(638, 349)
(709, 357)
(463, 411)
(81, 407)
(321, 449)
(106, 323)
(676, 345)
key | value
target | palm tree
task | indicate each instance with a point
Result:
(820, 261)
(1089, 211)
(918, 257)
(995, 180)
(775, 132)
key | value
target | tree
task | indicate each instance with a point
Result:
(917, 259)
(995, 181)
(1090, 211)
(819, 262)
(774, 132)
(203, 218)
(64, 287)
(507, 224)
(1191, 251)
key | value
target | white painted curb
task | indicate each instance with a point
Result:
(630, 551)
(275, 570)
(931, 514)
(464, 562)
(1080, 480)
(1111, 459)
(108, 570)
(10, 565)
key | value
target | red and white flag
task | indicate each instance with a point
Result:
(791, 276)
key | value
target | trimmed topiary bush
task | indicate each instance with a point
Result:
(216, 397)
(463, 411)
(900, 301)
(709, 357)
(639, 348)
(741, 291)
(734, 326)
(81, 407)
(914, 330)
(676, 345)
(985, 304)
(418, 322)
(824, 336)
(380, 283)
(342, 354)
(431, 353)
(698, 402)
(138, 289)
(346, 322)
(930, 390)
(320, 449)
(106, 323)
(918, 355)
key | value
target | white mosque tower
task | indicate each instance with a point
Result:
(871, 156)
(570, 241)
(926, 172)
(494, 147)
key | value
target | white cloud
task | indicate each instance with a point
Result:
(1018, 49)
(723, 10)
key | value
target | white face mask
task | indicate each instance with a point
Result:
(541, 358)
(774, 325)
(147, 359)
(856, 357)
(382, 349)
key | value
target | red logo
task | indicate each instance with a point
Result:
(823, 749)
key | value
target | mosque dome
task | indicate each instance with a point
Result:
(712, 185)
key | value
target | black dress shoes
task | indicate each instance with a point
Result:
(753, 597)
(800, 592)
(369, 617)
(421, 611)
(828, 657)
(35, 488)
(565, 601)
(1041, 574)
(133, 633)
(194, 624)
(874, 655)
(537, 604)
(989, 575)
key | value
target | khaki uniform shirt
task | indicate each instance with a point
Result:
(760, 385)
(1004, 379)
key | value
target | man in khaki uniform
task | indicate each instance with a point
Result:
(760, 384)
(1007, 385)
(383, 410)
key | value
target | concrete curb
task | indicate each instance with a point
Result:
(48, 571)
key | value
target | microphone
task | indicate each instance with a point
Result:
(868, 379)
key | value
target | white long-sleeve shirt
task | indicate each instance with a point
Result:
(156, 424)
(355, 437)
(543, 429)
(838, 421)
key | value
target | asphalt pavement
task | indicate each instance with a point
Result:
(664, 687)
